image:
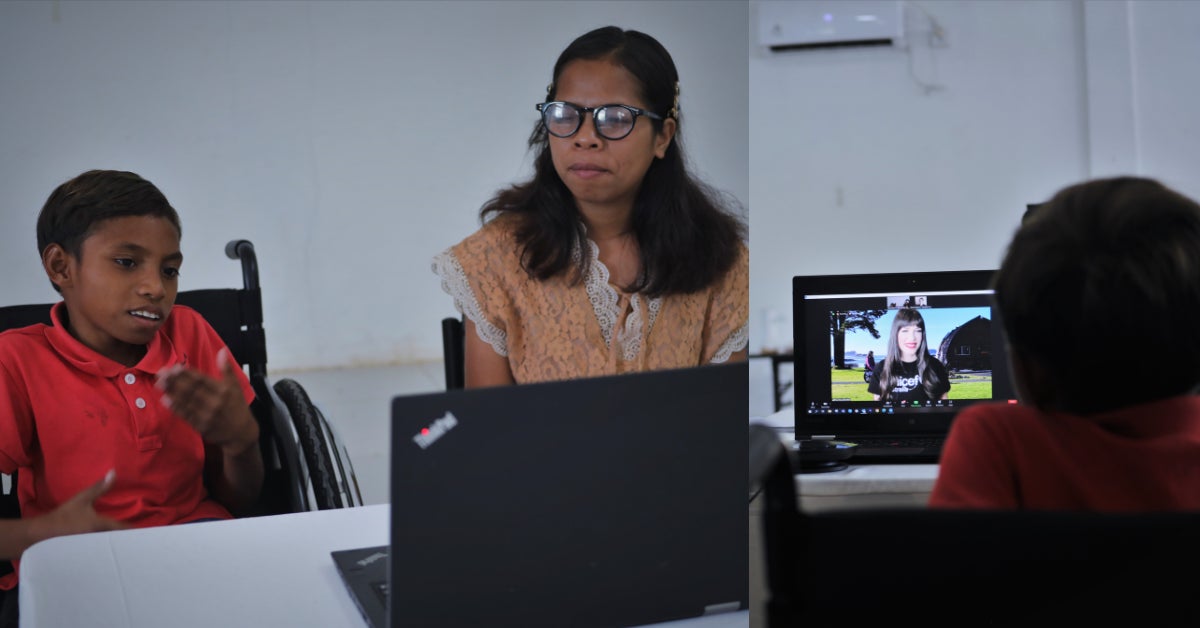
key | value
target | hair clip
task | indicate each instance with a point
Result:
(549, 88)
(674, 112)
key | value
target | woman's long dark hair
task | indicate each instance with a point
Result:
(686, 239)
(887, 377)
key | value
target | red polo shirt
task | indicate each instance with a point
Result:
(69, 414)
(1140, 458)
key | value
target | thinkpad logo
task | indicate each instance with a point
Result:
(428, 435)
(372, 558)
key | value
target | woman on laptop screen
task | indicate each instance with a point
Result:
(612, 258)
(909, 373)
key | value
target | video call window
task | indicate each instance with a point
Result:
(945, 350)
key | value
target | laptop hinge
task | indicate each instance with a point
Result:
(822, 437)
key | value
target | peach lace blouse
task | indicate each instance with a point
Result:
(553, 329)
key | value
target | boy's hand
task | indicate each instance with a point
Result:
(76, 515)
(215, 408)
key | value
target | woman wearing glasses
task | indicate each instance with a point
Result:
(612, 258)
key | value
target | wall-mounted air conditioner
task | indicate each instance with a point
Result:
(804, 24)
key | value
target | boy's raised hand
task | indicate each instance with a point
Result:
(215, 408)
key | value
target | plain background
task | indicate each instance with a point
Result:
(349, 141)
(923, 156)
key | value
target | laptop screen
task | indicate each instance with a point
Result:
(894, 353)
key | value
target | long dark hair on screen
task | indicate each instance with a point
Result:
(891, 366)
(686, 237)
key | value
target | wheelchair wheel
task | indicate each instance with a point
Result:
(307, 420)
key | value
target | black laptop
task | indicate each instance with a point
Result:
(613, 501)
(842, 325)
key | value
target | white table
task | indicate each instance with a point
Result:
(857, 486)
(255, 572)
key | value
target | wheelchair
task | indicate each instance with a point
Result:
(306, 465)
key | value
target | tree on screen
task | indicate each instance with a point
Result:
(842, 322)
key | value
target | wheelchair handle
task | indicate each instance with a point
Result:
(244, 250)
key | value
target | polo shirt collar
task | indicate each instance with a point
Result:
(160, 353)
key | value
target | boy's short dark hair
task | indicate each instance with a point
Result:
(1100, 287)
(77, 206)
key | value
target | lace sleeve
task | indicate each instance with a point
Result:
(739, 340)
(728, 324)
(455, 283)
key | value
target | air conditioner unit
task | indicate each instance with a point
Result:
(789, 25)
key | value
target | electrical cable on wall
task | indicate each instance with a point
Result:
(936, 39)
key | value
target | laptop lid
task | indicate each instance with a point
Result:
(612, 501)
(842, 323)
(364, 571)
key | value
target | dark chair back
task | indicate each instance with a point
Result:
(967, 567)
(452, 352)
(232, 313)
(16, 316)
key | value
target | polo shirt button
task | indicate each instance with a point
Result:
(129, 378)
(139, 402)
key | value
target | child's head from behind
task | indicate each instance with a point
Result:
(1099, 292)
(109, 242)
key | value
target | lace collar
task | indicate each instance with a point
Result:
(606, 305)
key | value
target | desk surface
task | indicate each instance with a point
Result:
(857, 485)
(255, 572)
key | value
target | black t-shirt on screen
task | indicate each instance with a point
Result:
(908, 382)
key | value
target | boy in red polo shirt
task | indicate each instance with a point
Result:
(127, 411)
(1098, 293)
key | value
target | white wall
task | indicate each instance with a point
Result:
(856, 167)
(1164, 50)
(350, 141)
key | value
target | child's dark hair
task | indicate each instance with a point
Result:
(1100, 288)
(686, 238)
(77, 206)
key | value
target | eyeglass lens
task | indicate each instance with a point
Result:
(612, 122)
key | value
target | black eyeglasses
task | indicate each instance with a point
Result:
(613, 122)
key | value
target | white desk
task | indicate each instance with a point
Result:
(858, 486)
(256, 572)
